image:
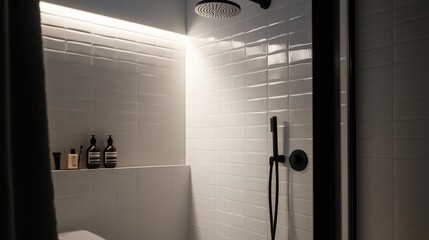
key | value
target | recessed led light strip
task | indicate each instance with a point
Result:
(75, 14)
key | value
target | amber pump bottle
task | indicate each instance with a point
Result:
(93, 155)
(110, 154)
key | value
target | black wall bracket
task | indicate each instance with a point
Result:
(263, 3)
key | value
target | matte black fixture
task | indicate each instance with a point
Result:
(298, 160)
(223, 8)
(276, 158)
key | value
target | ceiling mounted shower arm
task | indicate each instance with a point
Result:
(263, 3)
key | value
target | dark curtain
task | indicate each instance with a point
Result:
(27, 202)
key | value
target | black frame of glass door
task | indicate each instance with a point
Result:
(326, 120)
(352, 118)
(327, 205)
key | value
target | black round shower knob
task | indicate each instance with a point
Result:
(298, 160)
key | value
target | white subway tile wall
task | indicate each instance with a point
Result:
(240, 72)
(125, 203)
(105, 80)
(393, 52)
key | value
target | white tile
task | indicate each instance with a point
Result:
(410, 233)
(256, 212)
(105, 225)
(72, 189)
(278, 74)
(301, 101)
(299, 9)
(53, 56)
(410, 30)
(81, 59)
(411, 148)
(106, 41)
(277, 59)
(256, 36)
(126, 45)
(278, 44)
(300, 23)
(375, 175)
(411, 109)
(127, 225)
(370, 7)
(411, 50)
(256, 92)
(53, 32)
(371, 22)
(258, 226)
(409, 80)
(104, 52)
(300, 71)
(256, 22)
(104, 181)
(256, 185)
(381, 110)
(78, 36)
(410, 11)
(277, 14)
(126, 190)
(104, 203)
(257, 105)
(74, 213)
(256, 64)
(80, 48)
(376, 39)
(411, 129)
(376, 208)
(53, 20)
(278, 29)
(68, 177)
(300, 38)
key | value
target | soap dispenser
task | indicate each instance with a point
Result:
(110, 154)
(93, 155)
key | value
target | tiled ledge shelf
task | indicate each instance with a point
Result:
(118, 168)
(144, 202)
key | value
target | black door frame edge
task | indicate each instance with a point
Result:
(326, 120)
(352, 118)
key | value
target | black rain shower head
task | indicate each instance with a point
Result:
(223, 8)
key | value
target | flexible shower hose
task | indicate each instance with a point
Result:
(274, 160)
(273, 221)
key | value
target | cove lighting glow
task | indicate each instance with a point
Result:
(70, 13)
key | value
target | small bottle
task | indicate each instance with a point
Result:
(93, 155)
(110, 154)
(72, 159)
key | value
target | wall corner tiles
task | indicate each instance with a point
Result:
(107, 76)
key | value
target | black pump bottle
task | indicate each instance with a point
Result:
(110, 154)
(93, 155)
